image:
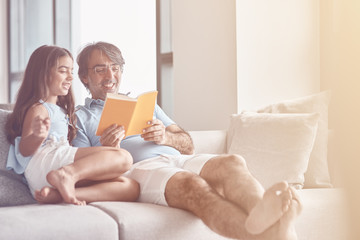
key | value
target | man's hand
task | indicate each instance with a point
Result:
(156, 132)
(112, 136)
(40, 127)
(171, 135)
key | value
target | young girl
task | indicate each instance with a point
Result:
(40, 129)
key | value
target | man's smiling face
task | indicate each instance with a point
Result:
(104, 76)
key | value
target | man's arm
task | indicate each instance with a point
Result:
(179, 139)
(172, 136)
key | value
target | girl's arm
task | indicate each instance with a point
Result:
(35, 130)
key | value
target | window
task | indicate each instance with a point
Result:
(130, 25)
(164, 56)
(33, 23)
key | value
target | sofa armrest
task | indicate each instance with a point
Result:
(213, 142)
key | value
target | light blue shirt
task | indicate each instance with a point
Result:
(58, 129)
(88, 120)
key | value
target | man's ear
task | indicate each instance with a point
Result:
(85, 80)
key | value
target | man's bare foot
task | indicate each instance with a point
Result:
(286, 222)
(284, 228)
(269, 210)
(65, 184)
(48, 195)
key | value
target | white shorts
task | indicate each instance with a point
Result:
(153, 174)
(53, 155)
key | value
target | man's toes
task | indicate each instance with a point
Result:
(278, 188)
(296, 200)
(286, 198)
(294, 194)
(286, 195)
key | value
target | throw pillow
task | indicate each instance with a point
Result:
(276, 147)
(317, 174)
(13, 190)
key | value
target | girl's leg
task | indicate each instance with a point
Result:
(94, 163)
(101, 163)
(119, 189)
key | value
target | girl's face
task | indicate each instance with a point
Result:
(61, 77)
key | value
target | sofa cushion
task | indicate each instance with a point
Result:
(209, 142)
(57, 222)
(155, 222)
(13, 189)
(324, 214)
(276, 147)
(322, 218)
(317, 174)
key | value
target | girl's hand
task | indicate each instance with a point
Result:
(40, 127)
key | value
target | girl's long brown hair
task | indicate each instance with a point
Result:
(35, 87)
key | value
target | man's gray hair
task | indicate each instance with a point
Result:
(108, 49)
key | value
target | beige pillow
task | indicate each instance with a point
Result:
(317, 174)
(276, 147)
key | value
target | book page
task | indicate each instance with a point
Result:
(116, 111)
(132, 113)
(144, 111)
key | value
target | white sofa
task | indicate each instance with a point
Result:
(21, 218)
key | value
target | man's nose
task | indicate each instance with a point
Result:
(109, 73)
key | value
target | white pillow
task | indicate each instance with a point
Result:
(317, 174)
(276, 147)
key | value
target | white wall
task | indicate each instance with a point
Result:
(277, 51)
(340, 71)
(204, 47)
(274, 44)
(3, 54)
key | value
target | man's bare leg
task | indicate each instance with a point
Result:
(190, 192)
(230, 177)
(223, 196)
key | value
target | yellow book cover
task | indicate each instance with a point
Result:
(132, 113)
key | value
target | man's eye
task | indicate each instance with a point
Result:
(100, 70)
(115, 68)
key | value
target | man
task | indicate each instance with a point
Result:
(218, 189)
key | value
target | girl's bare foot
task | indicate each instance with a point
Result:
(275, 203)
(65, 184)
(48, 195)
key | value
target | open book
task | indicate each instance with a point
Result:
(132, 113)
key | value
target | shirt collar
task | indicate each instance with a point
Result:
(89, 102)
